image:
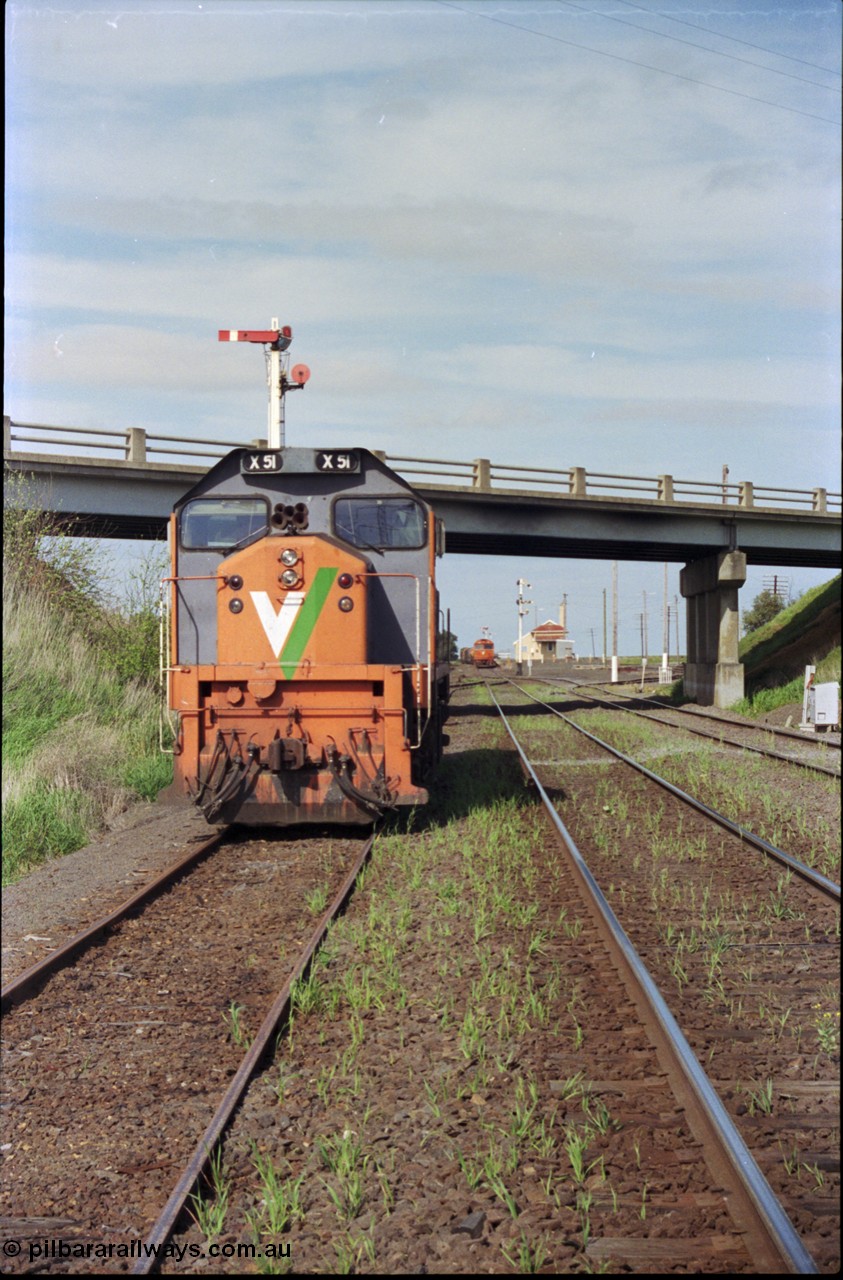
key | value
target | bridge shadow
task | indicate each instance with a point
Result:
(465, 781)
(522, 709)
(491, 712)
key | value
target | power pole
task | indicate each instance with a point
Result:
(604, 626)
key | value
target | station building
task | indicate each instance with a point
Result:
(547, 642)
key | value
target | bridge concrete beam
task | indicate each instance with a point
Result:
(104, 497)
(713, 674)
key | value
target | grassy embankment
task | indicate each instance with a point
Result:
(806, 633)
(81, 702)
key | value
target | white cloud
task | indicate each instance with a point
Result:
(453, 215)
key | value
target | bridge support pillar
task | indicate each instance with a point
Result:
(713, 674)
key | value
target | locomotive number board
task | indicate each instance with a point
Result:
(261, 463)
(330, 461)
(337, 460)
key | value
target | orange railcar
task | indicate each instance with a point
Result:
(302, 665)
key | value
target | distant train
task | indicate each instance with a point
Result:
(483, 653)
(301, 657)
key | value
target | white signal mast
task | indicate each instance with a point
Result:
(275, 341)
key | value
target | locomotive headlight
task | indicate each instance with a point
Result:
(289, 577)
(345, 580)
(289, 556)
(346, 604)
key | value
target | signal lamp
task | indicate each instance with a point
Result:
(289, 577)
(346, 604)
(235, 582)
(235, 605)
(288, 556)
(345, 580)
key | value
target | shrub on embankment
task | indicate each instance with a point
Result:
(81, 701)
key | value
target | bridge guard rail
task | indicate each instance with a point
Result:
(138, 447)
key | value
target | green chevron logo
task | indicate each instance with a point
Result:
(289, 630)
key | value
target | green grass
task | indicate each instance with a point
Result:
(757, 649)
(80, 742)
(758, 652)
(764, 700)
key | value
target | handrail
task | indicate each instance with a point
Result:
(477, 475)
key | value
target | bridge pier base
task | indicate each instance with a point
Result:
(713, 674)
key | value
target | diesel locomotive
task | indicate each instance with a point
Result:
(300, 640)
(482, 653)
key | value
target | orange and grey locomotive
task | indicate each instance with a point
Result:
(301, 656)
(483, 653)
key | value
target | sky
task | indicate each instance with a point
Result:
(601, 234)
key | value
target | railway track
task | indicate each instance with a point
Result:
(812, 755)
(690, 927)
(119, 1046)
(767, 1231)
(25, 984)
(794, 865)
(469, 1084)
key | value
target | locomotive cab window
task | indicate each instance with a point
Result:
(219, 523)
(385, 523)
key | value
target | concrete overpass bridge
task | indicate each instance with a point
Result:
(113, 484)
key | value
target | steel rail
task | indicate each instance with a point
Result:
(28, 982)
(779, 731)
(153, 1246)
(701, 733)
(754, 1206)
(821, 882)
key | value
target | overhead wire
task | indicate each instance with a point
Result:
(736, 39)
(718, 53)
(616, 57)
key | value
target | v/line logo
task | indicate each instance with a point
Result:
(277, 625)
(289, 630)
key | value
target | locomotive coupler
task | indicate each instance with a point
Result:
(286, 753)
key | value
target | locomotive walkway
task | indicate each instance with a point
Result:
(112, 484)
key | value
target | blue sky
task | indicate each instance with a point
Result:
(596, 234)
